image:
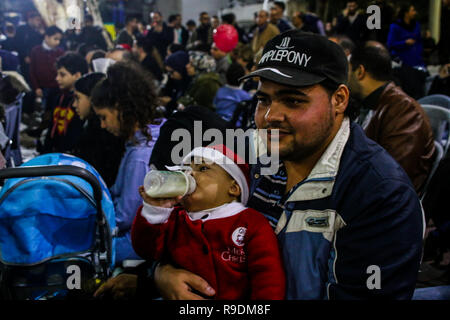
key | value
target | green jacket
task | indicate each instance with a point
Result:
(202, 91)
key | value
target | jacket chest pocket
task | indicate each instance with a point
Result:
(327, 222)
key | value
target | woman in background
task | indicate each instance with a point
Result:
(404, 39)
(125, 103)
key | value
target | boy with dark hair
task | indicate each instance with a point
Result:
(42, 66)
(65, 128)
(229, 96)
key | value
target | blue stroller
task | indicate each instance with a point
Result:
(56, 226)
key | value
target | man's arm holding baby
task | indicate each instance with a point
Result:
(179, 284)
(265, 268)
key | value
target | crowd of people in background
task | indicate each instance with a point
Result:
(164, 75)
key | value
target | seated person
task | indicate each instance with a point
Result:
(228, 97)
(389, 116)
(441, 83)
(205, 82)
(212, 233)
(125, 103)
(97, 146)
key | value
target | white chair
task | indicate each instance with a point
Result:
(440, 124)
(439, 100)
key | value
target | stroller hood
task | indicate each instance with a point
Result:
(46, 217)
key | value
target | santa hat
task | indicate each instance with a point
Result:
(229, 161)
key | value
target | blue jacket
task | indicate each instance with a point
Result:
(357, 209)
(226, 100)
(409, 54)
(133, 168)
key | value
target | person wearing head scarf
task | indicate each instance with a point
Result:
(178, 80)
(205, 81)
(125, 102)
(202, 62)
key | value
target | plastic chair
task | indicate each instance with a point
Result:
(437, 159)
(439, 100)
(440, 124)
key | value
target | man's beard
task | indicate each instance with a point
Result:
(297, 151)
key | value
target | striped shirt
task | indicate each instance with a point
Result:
(268, 193)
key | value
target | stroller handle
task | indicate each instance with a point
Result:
(41, 171)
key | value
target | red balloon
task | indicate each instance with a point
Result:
(226, 37)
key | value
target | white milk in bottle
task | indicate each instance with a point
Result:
(168, 184)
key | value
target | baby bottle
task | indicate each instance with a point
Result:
(168, 184)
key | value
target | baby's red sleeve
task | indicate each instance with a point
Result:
(148, 239)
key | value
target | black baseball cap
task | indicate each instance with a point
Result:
(297, 58)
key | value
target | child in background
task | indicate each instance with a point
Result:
(213, 234)
(66, 126)
(229, 96)
(42, 66)
(97, 146)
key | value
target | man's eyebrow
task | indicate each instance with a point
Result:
(282, 92)
(290, 92)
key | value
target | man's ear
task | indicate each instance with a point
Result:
(234, 190)
(360, 72)
(340, 99)
(77, 75)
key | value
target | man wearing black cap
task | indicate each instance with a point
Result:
(346, 214)
(347, 217)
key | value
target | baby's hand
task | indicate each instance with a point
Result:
(160, 202)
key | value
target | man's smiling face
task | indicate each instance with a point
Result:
(304, 116)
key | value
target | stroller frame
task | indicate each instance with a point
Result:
(101, 251)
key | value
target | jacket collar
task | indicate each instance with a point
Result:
(223, 211)
(325, 171)
(371, 101)
(46, 46)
